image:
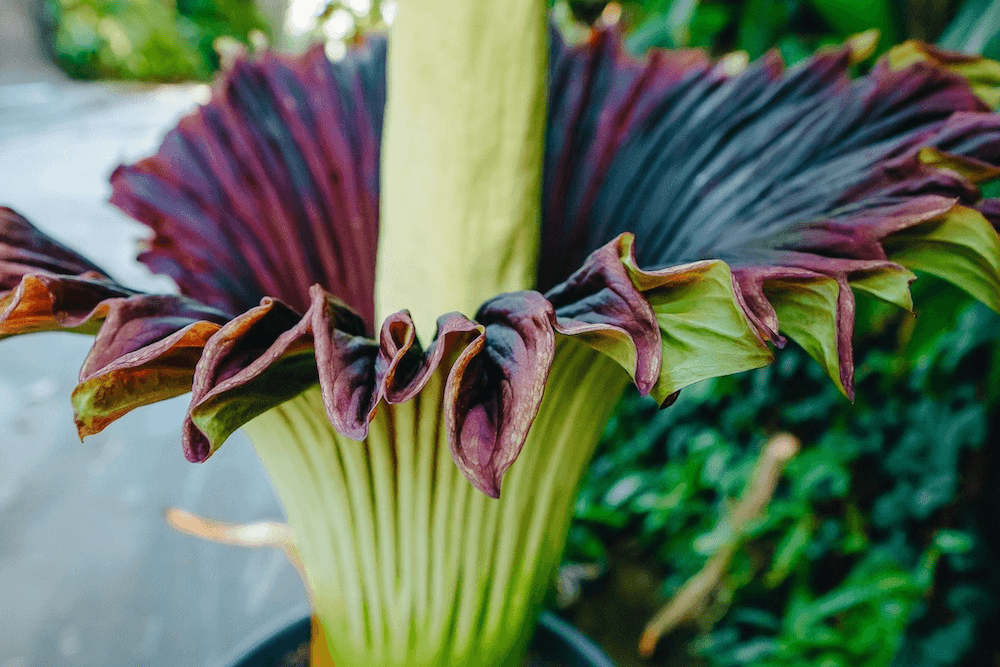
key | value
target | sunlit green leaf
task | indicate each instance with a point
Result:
(953, 541)
(704, 331)
(975, 29)
(807, 312)
(963, 249)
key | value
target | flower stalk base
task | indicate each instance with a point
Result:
(408, 564)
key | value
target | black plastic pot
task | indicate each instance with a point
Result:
(556, 644)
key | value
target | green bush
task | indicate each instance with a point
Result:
(873, 549)
(149, 40)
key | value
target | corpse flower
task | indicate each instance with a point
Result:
(422, 301)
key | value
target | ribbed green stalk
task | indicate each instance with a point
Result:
(407, 564)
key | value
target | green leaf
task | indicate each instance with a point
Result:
(974, 171)
(794, 49)
(974, 28)
(704, 331)
(963, 249)
(807, 313)
(855, 540)
(708, 22)
(925, 336)
(667, 24)
(889, 285)
(853, 16)
(852, 595)
(652, 28)
(653, 33)
(953, 541)
(760, 24)
(679, 18)
(789, 551)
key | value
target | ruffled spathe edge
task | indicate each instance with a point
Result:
(152, 347)
(496, 364)
(666, 328)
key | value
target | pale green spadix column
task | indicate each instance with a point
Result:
(461, 155)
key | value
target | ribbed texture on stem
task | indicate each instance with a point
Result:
(408, 564)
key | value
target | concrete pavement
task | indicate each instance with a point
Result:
(90, 574)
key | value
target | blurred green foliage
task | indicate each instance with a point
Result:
(976, 28)
(171, 40)
(874, 550)
(879, 548)
(798, 27)
(149, 40)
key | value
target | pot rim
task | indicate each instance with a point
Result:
(288, 624)
(266, 632)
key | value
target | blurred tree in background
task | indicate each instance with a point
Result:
(150, 40)
(337, 23)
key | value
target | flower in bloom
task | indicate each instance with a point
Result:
(691, 213)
